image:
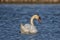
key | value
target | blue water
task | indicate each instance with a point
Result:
(12, 15)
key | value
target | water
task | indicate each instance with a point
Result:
(12, 15)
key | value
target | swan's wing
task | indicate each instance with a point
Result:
(24, 28)
(27, 26)
(30, 27)
(33, 29)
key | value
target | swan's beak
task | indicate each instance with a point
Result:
(39, 20)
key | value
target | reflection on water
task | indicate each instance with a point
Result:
(11, 15)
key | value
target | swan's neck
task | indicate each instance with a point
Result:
(31, 21)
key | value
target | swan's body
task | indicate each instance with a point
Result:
(27, 28)
(30, 28)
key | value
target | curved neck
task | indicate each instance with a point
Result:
(31, 20)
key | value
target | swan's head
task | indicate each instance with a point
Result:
(37, 17)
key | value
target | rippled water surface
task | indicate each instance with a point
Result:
(12, 15)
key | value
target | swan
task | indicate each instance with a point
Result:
(30, 28)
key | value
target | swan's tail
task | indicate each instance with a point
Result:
(22, 28)
(21, 25)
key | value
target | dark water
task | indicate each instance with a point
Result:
(11, 15)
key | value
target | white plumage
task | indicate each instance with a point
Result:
(30, 28)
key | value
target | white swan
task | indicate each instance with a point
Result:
(30, 28)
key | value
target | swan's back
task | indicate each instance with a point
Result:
(27, 26)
